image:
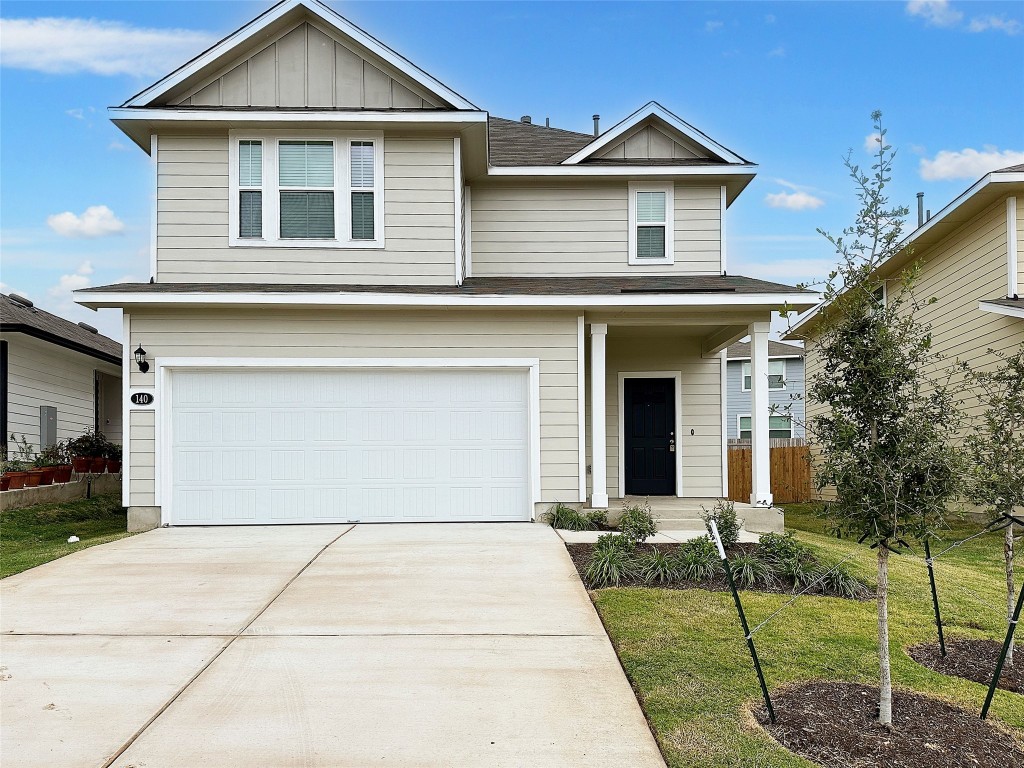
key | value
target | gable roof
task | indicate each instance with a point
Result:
(218, 55)
(741, 350)
(653, 111)
(35, 322)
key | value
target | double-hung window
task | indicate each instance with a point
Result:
(316, 190)
(778, 426)
(776, 375)
(651, 223)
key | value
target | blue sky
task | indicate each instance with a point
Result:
(787, 85)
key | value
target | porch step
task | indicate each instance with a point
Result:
(675, 514)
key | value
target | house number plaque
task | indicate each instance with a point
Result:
(142, 398)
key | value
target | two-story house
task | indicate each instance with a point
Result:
(372, 301)
(785, 391)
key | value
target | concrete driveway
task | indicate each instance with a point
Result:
(404, 645)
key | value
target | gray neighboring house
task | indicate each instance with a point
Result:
(785, 390)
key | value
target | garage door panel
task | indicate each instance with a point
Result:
(334, 446)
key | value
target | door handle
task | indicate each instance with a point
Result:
(672, 445)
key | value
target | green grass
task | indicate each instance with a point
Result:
(39, 534)
(684, 653)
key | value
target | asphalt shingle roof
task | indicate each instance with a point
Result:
(36, 322)
(513, 143)
(741, 350)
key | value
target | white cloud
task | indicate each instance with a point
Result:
(712, 26)
(64, 46)
(117, 146)
(95, 221)
(78, 113)
(871, 143)
(985, 23)
(967, 163)
(809, 270)
(778, 52)
(68, 283)
(936, 13)
(793, 201)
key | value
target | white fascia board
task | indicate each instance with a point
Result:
(770, 357)
(653, 108)
(625, 170)
(187, 114)
(804, 319)
(359, 299)
(327, 16)
(1001, 309)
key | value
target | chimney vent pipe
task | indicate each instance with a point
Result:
(547, 122)
(920, 209)
(526, 119)
(597, 125)
(928, 216)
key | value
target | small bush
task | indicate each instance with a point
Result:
(749, 570)
(781, 547)
(636, 523)
(611, 562)
(724, 515)
(801, 571)
(841, 583)
(656, 567)
(569, 518)
(597, 518)
(697, 560)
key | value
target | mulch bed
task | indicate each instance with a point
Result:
(835, 725)
(972, 660)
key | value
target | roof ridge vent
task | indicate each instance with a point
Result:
(21, 301)
(88, 327)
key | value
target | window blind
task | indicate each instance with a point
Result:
(307, 214)
(306, 164)
(250, 163)
(650, 207)
(362, 164)
(250, 213)
(362, 216)
(650, 242)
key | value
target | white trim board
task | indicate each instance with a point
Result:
(235, 117)
(166, 366)
(327, 16)
(1012, 256)
(724, 405)
(126, 423)
(999, 309)
(623, 170)
(581, 404)
(677, 376)
(458, 202)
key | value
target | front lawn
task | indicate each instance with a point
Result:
(39, 534)
(689, 664)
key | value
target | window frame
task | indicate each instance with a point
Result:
(745, 366)
(670, 254)
(739, 426)
(271, 189)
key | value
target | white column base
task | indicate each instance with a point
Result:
(761, 500)
(599, 501)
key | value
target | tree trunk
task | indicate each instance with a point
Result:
(1010, 602)
(885, 676)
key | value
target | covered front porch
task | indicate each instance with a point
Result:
(656, 407)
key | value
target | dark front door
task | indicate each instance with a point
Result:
(649, 421)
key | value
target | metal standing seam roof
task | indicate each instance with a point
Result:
(32, 321)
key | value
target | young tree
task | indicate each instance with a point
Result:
(884, 439)
(995, 450)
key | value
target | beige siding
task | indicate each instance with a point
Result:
(39, 374)
(963, 269)
(559, 228)
(701, 406)
(193, 221)
(649, 142)
(325, 333)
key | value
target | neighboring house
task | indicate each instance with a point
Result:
(373, 301)
(785, 390)
(969, 254)
(57, 379)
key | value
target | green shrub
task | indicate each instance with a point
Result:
(597, 518)
(782, 547)
(749, 570)
(724, 515)
(697, 560)
(655, 567)
(611, 562)
(802, 571)
(636, 523)
(570, 519)
(841, 583)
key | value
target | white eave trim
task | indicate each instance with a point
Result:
(327, 16)
(623, 170)
(770, 300)
(653, 109)
(191, 114)
(1001, 309)
(770, 357)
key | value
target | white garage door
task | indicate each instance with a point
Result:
(320, 446)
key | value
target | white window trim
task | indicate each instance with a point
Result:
(740, 430)
(739, 426)
(670, 251)
(743, 375)
(342, 189)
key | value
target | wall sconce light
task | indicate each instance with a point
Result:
(140, 359)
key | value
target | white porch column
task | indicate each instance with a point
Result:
(761, 480)
(598, 440)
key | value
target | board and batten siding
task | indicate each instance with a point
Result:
(558, 228)
(964, 268)
(702, 405)
(40, 373)
(325, 333)
(782, 399)
(193, 221)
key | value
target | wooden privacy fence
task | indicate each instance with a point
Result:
(790, 466)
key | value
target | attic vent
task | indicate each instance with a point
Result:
(88, 327)
(20, 300)
(526, 119)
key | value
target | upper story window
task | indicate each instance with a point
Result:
(319, 189)
(651, 237)
(778, 426)
(776, 375)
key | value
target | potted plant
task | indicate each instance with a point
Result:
(88, 452)
(14, 475)
(25, 459)
(113, 458)
(57, 460)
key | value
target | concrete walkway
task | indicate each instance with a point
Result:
(403, 645)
